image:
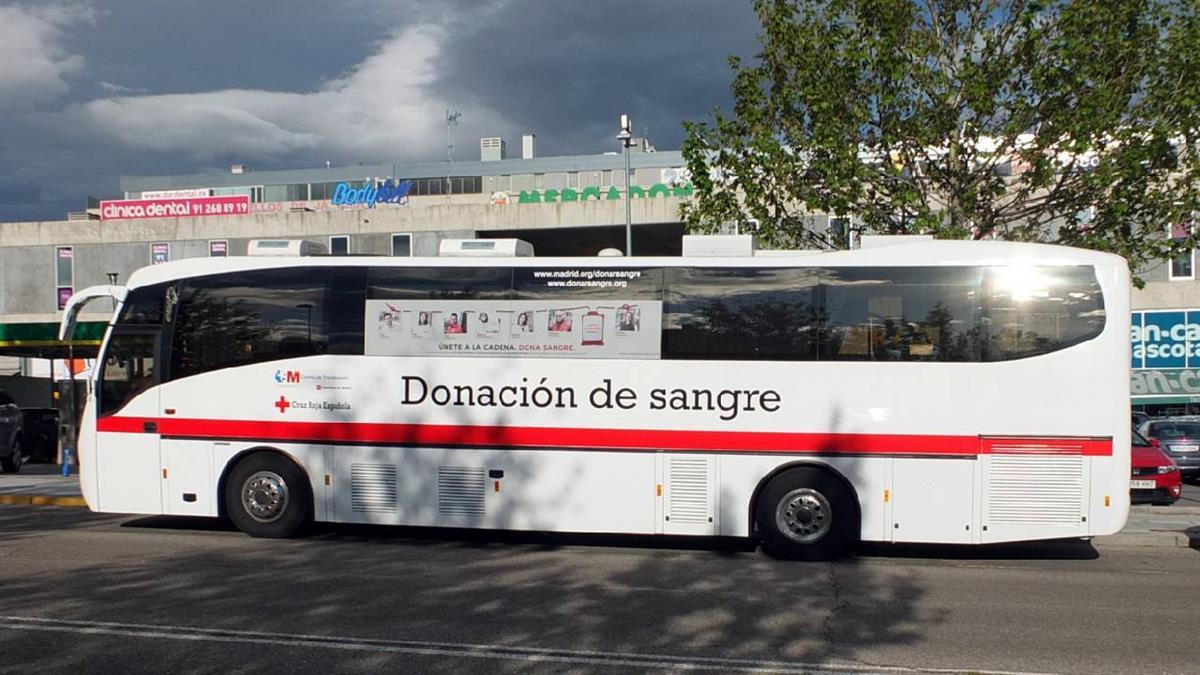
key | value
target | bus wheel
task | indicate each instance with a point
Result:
(267, 495)
(806, 514)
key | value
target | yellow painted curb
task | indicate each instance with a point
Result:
(42, 500)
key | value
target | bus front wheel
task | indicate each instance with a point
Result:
(806, 514)
(267, 495)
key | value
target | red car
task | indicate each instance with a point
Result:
(1155, 478)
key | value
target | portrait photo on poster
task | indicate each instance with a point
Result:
(560, 321)
(522, 323)
(629, 319)
(454, 324)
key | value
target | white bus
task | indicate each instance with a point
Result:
(947, 392)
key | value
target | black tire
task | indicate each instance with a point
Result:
(12, 463)
(807, 513)
(278, 487)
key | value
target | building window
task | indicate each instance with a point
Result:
(841, 232)
(339, 245)
(160, 252)
(218, 248)
(64, 274)
(402, 245)
(1183, 266)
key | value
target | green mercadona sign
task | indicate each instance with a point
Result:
(551, 196)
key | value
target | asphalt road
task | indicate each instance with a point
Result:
(87, 593)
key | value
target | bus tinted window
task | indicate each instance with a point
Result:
(900, 314)
(534, 283)
(740, 313)
(128, 369)
(248, 317)
(434, 283)
(1032, 310)
(144, 305)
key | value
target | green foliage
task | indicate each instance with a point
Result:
(961, 118)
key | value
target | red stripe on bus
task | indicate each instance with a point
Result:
(604, 439)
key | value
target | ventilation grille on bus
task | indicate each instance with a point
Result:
(687, 484)
(372, 487)
(461, 491)
(1032, 488)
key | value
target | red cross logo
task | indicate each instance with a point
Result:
(282, 404)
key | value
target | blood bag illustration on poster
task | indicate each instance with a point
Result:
(593, 328)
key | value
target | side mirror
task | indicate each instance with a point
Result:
(1155, 442)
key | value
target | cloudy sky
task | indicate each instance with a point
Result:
(91, 90)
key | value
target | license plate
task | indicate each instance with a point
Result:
(1142, 484)
(1192, 447)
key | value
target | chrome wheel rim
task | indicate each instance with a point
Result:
(804, 515)
(265, 496)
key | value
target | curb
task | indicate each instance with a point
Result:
(1173, 510)
(1167, 539)
(41, 500)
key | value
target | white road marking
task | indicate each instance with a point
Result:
(459, 650)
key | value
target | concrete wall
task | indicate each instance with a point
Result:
(27, 250)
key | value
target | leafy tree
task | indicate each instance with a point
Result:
(1065, 121)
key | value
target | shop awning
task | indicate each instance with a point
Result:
(40, 340)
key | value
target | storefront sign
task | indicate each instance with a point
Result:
(551, 196)
(176, 194)
(1166, 339)
(1174, 382)
(183, 207)
(160, 252)
(368, 195)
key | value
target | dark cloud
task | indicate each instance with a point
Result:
(142, 88)
(568, 70)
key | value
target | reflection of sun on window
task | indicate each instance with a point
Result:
(1023, 282)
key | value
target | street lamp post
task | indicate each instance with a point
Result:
(626, 138)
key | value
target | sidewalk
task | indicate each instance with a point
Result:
(1177, 525)
(41, 484)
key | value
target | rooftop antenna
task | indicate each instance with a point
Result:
(451, 121)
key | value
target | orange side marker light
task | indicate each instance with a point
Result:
(658, 490)
(887, 496)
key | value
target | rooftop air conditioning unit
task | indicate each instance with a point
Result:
(485, 248)
(283, 248)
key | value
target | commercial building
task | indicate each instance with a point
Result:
(573, 205)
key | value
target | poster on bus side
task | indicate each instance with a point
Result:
(605, 329)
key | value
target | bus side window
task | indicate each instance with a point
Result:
(436, 283)
(231, 320)
(741, 313)
(144, 306)
(130, 367)
(900, 314)
(1032, 310)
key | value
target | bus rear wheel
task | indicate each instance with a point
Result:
(267, 495)
(806, 513)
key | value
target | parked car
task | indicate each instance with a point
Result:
(1179, 437)
(40, 434)
(1154, 479)
(11, 452)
